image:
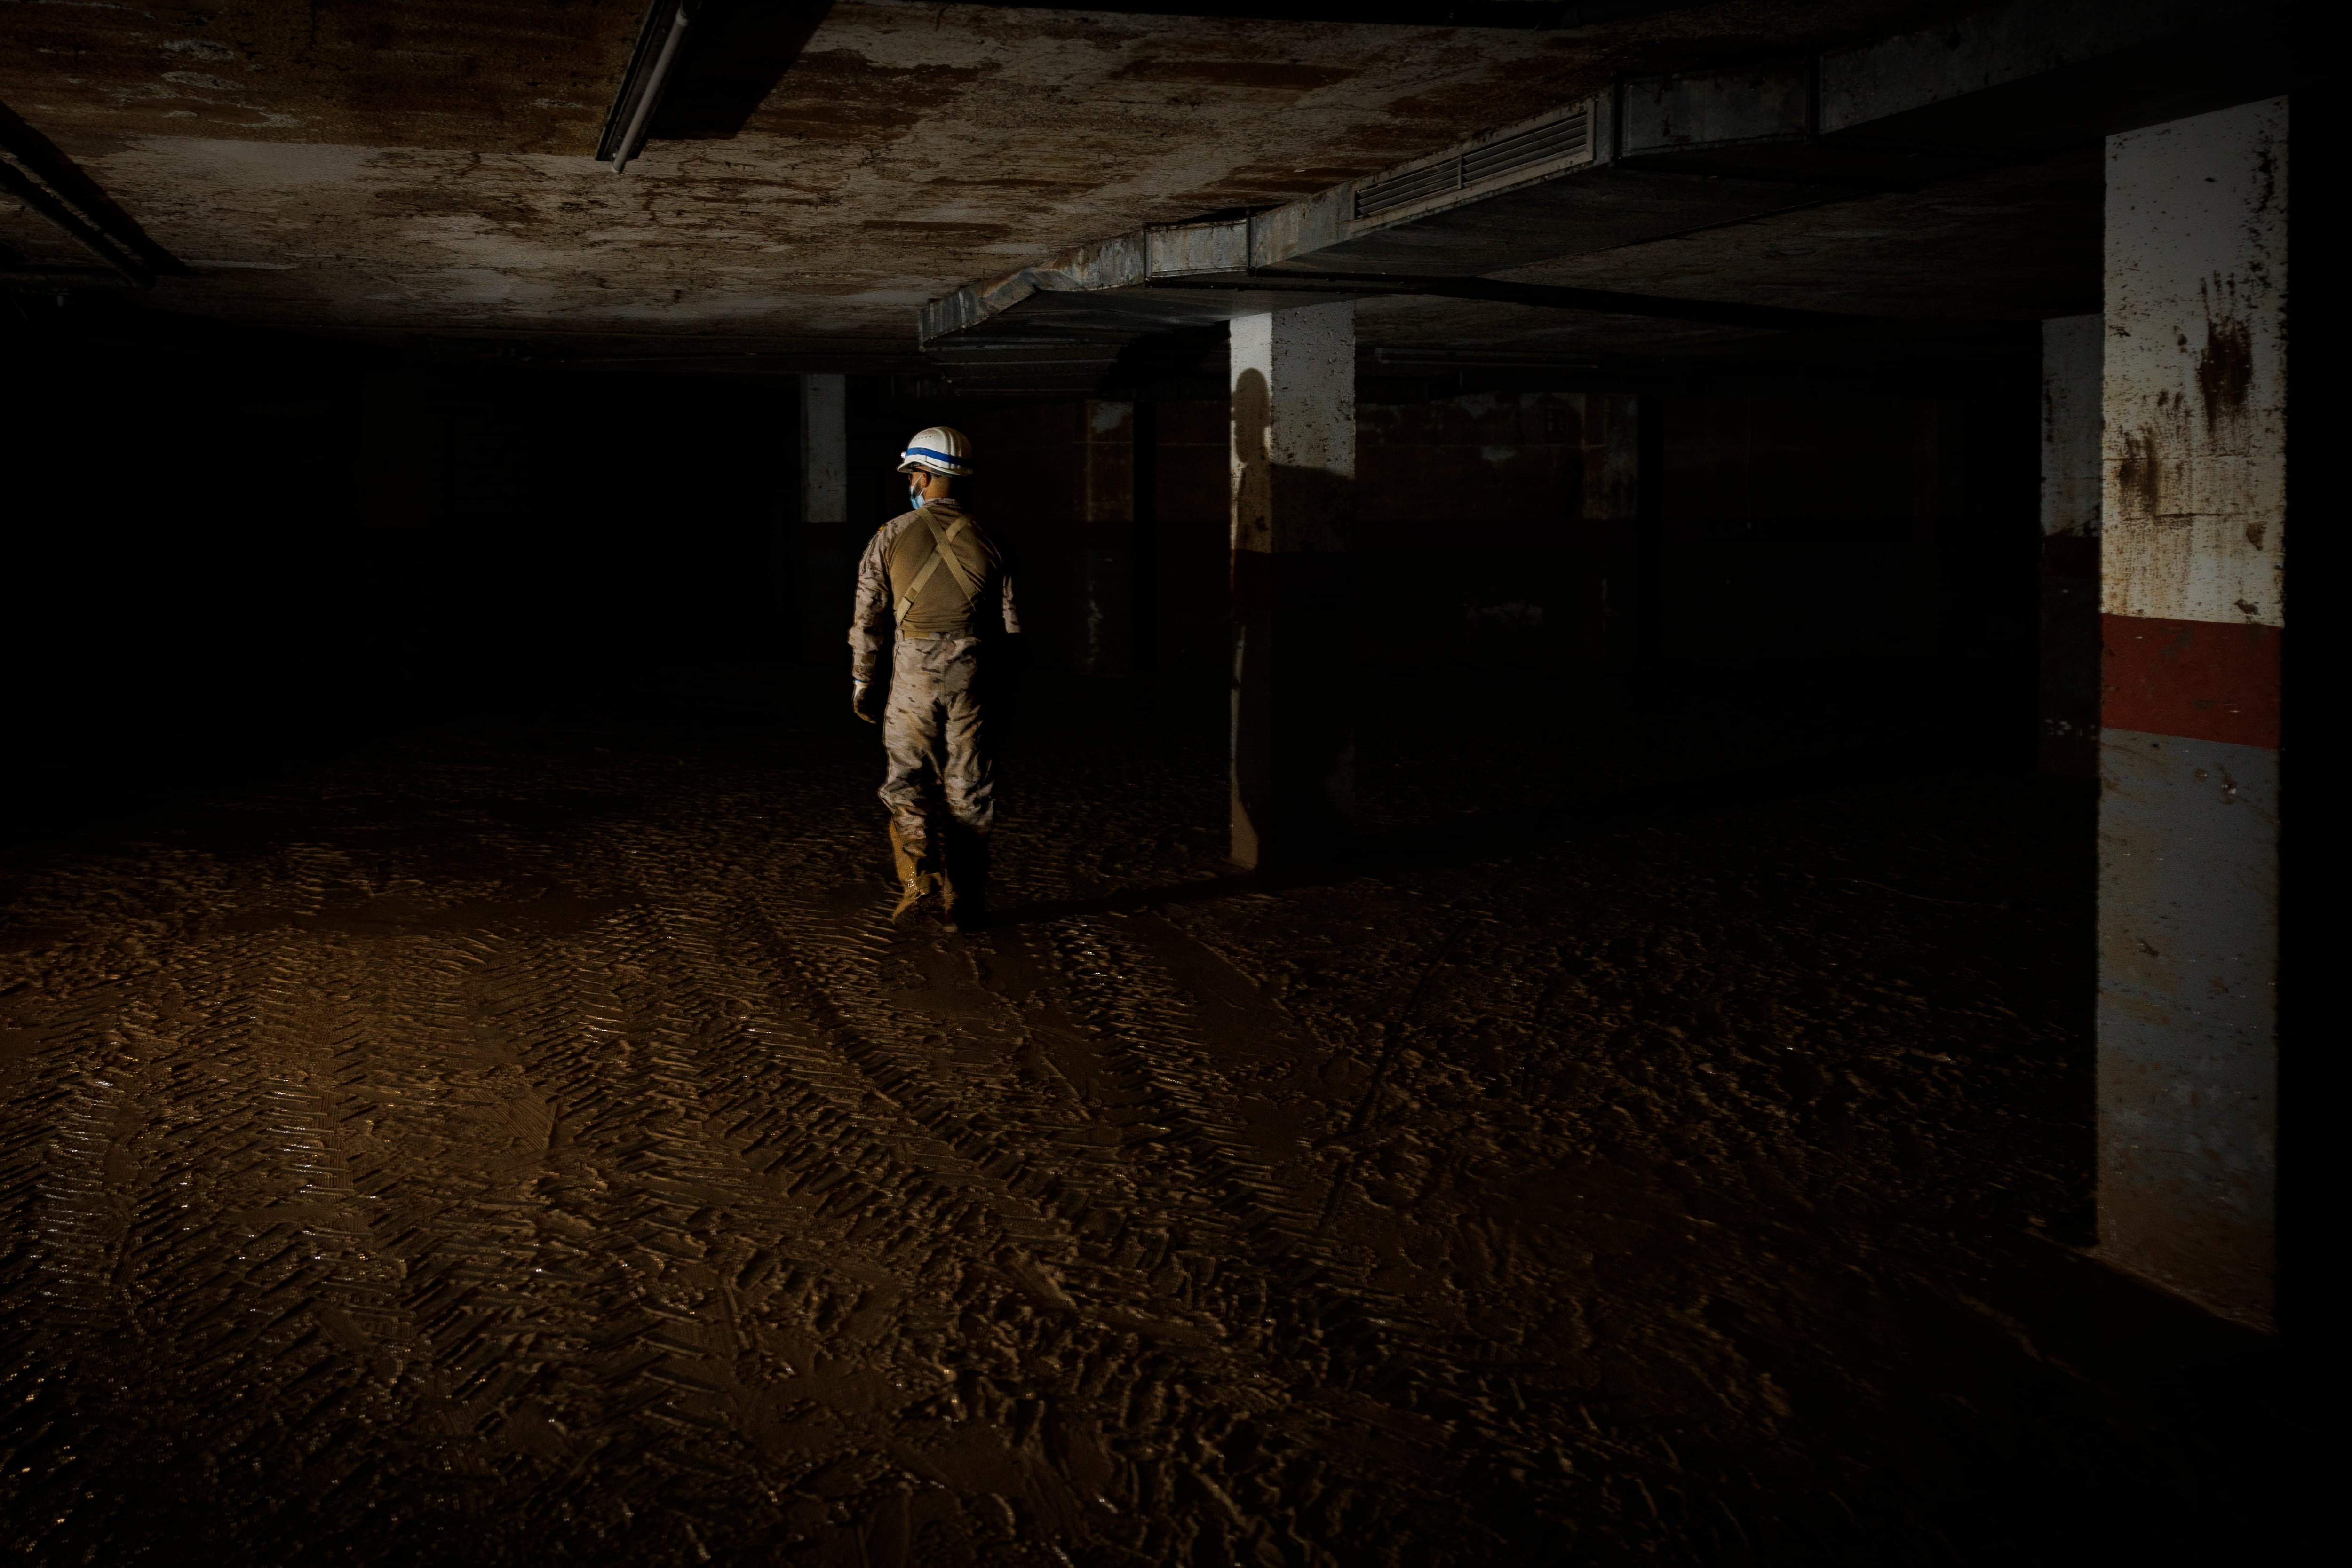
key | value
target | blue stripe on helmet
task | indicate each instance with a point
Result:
(927, 452)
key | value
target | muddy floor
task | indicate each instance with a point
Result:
(533, 1146)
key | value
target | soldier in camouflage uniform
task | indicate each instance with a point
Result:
(932, 589)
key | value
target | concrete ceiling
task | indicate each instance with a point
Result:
(2015, 243)
(425, 168)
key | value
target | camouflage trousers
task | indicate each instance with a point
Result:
(940, 777)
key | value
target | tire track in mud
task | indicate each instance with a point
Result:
(1152, 1032)
(391, 1324)
(197, 1148)
(464, 1294)
(837, 940)
(961, 1220)
(639, 1187)
(1172, 1009)
(1166, 1013)
(747, 1107)
(717, 1215)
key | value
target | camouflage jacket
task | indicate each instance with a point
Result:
(893, 559)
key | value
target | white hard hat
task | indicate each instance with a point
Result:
(940, 450)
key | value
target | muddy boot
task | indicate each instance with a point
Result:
(913, 879)
(967, 881)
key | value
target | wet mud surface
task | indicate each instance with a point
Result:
(535, 1145)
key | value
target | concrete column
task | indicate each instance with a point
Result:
(1106, 556)
(1294, 471)
(828, 543)
(2194, 460)
(825, 449)
(1143, 536)
(1603, 534)
(2071, 354)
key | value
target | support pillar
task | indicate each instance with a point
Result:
(1294, 471)
(828, 541)
(1143, 539)
(1604, 531)
(2194, 459)
(2068, 743)
(1106, 560)
(825, 449)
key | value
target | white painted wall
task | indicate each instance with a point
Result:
(2195, 445)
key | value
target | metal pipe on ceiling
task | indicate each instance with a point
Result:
(21, 185)
(36, 172)
(641, 88)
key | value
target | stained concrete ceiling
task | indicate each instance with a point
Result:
(2014, 243)
(425, 168)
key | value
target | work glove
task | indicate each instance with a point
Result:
(865, 701)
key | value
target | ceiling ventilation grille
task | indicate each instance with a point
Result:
(1403, 190)
(1562, 138)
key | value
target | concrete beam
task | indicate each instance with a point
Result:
(1659, 156)
(2193, 509)
(1294, 474)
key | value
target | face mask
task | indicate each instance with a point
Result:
(916, 497)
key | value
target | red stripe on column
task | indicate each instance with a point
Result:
(2200, 680)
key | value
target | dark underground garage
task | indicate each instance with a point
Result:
(1249, 783)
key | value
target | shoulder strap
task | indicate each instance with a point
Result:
(941, 553)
